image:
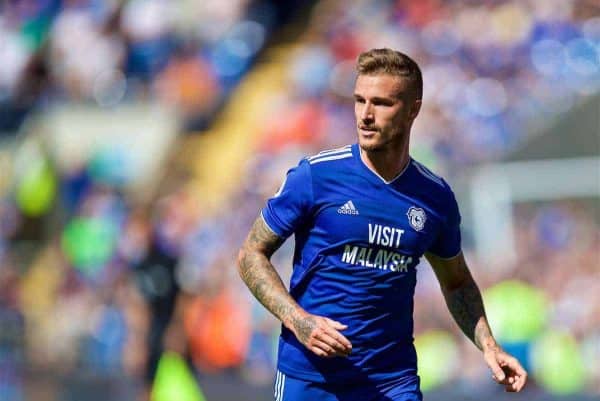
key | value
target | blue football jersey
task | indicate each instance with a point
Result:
(358, 240)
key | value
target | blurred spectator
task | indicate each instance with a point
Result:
(189, 83)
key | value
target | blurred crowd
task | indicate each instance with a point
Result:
(92, 280)
(186, 54)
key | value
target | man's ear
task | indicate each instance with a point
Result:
(415, 108)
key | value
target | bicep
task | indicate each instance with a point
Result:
(262, 238)
(450, 272)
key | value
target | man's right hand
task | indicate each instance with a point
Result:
(321, 335)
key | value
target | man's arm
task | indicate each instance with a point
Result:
(318, 334)
(466, 306)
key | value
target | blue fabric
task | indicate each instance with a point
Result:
(358, 240)
(287, 388)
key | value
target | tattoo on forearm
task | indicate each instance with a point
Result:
(259, 274)
(466, 305)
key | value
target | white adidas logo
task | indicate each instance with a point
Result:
(348, 208)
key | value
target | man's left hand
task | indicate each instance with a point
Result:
(506, 369)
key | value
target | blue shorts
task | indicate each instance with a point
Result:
(291, 389)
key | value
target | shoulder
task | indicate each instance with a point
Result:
(434, 185)
(428, 178)
(331, 167)
(318, 166)
(330, 157)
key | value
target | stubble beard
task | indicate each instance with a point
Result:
(373, 147)
(396, 140)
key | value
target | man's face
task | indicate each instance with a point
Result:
(384, 110)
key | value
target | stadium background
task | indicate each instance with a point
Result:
(138, 140)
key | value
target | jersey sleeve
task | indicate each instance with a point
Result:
(291, 205)
(448, 241)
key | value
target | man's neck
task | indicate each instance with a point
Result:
(388, 164)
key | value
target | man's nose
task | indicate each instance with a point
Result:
(367, 112)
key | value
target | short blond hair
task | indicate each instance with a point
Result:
(392, 62)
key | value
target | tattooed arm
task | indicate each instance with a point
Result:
(466, 306)
(318, 334)
(463, 299)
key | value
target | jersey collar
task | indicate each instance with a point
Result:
(357, 152)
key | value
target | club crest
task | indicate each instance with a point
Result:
(416, 218)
